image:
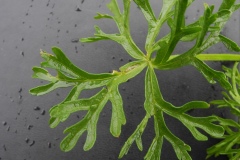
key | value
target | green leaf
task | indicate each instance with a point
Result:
(101, 16)
(231, 45)
(226, 4)
(147, 10)
(205, 32)
(190, 33)
(159, 105)
(118, 116)
(43, 74)
(62, 64)
(136, 136)
(92, 39)
(154, 151)
(154, 24)
(180, 148)
(88, 123)
(212, 75)
(41, 90)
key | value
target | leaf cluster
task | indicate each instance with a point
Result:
(231, 140)
(205, 32)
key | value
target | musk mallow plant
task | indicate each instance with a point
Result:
(158, 55)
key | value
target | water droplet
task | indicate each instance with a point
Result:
(4, 147)
(113, 57)
(104, 114)
(37, 108)
(67, 31)
(78, 9)
(213, 87)
(20, 90)
(75, 25)
(22, 53)
(20, 97)
(26, 140)
(129, 60)
(26, 14)
(222, 114)
(82, 1)
(16, 131)
(43, 112)
(78, 116)
(75, 40)
(29, 127)
(4, 123)
(8, 128)
(121, 59)
(22, 39)
(58, 30)
(57, 139)
(57, 94)
(32, 143)
(49, 145)
(19, 111)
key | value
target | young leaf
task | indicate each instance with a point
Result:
(229, 43)
(136, 136)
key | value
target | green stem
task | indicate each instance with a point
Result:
(235, 90)
(215, 57)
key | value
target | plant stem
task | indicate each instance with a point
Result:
(215, 57)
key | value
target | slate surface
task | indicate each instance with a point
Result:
(26, 26)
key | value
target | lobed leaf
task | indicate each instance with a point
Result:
(88, 123)
(118, 116)
(136, 136)
(212, 75)
(173, 12)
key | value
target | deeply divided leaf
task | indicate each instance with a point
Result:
(204, 32)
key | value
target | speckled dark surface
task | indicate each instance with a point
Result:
(26, 26)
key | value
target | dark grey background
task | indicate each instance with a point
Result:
(26, 26)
